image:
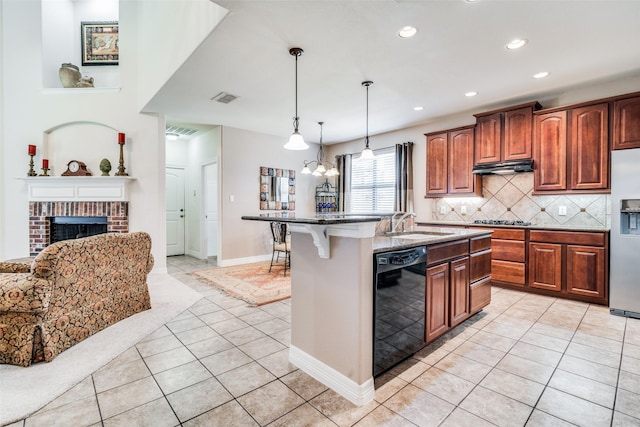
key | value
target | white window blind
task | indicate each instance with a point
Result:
(373, 183)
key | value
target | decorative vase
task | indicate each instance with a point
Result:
(69, 75)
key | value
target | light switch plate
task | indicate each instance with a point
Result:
(562, 211)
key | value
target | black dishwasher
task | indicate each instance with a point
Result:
(398, 306)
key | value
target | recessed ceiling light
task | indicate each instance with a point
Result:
(470, 94)
(516, 44)
(418, 108)
(408, 31)
(540, 75)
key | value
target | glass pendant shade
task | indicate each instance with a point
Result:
(296, 142)
(367, 154)
(305, 170)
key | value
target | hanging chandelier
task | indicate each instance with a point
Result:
(367, 153)
(321, 169)
(296, 141)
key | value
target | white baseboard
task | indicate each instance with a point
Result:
(358, 394)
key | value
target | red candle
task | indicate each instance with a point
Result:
(120, 138)
(45, 163)
(32, 150)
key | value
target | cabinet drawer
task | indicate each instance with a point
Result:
(480, 295)
(508, 271)
(447, 251)
(508, 233)
(480, 244)
(570, 237)
(507, 250)
(480, 265)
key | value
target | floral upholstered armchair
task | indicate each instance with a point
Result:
(70, 291)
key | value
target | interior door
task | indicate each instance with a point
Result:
(211, 207)
(174, 179)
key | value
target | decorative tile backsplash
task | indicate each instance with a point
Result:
(509, 197)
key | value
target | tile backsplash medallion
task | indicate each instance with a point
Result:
(509, 197)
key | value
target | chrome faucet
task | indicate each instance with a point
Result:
(400, 221)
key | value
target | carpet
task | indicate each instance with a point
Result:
(25, 390)
(251, 283)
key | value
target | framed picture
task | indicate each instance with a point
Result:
(99, 43)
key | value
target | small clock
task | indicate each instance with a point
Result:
(76, 168)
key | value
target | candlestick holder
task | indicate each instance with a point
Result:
(121, 171)
(31, 171)
(45, 172)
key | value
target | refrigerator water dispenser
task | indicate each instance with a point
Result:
(629, 216)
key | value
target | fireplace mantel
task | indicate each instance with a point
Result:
(78, 188)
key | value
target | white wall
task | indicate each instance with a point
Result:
(243, 153)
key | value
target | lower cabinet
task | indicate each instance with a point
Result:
(458, 283)
(570, 264)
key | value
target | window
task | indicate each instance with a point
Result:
(373, 183)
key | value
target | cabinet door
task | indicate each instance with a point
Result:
(589, 161)
(545, 266)
(488, 138)
(550, 151)
(437, 301)
(461, 180)
(459, 297)
(626, 123)
(518, 128)
(586, 271)
(437, 164)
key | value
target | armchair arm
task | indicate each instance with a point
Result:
(23, 292)
(150, 263)
(14, 267)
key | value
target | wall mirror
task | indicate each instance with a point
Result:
(277, 189)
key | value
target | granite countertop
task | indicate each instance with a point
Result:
(557, 227)
(318, 219)
(422, 236)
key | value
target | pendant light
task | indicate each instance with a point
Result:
(296, 141)
(321, 169)
(367, 153)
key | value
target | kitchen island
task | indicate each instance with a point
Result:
(332, 293)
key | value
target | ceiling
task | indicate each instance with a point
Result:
(459, 47)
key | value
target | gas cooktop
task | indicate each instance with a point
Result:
(501, 222)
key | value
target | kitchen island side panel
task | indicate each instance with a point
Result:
(332, 303)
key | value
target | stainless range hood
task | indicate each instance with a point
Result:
(504, 168)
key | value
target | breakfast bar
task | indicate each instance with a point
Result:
(332, 305)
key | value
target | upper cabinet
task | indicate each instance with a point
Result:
(449, 164)
(506, 134)
(626, 123)
(571, 150)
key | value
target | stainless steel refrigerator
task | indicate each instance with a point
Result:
(624, 267)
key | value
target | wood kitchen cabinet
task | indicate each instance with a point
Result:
(508, 257)
(570, 264)
(457, 284)
(571, 150)
(505, 134)
(449, 164)
(626, 123)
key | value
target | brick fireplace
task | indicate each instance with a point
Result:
(40, 214)
(51, 197)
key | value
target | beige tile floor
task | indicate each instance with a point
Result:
(525, 360)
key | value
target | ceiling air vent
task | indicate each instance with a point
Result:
(224, 97)
(181, 131)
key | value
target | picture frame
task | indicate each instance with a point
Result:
(100, 44)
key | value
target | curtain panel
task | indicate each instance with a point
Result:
(343, 164)
(404, 177)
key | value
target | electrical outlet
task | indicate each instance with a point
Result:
(463, 210)
(562, 211)
(443, 210)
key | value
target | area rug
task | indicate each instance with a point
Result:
(250, 282)
(25, 390)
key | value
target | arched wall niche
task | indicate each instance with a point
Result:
(87, 141)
